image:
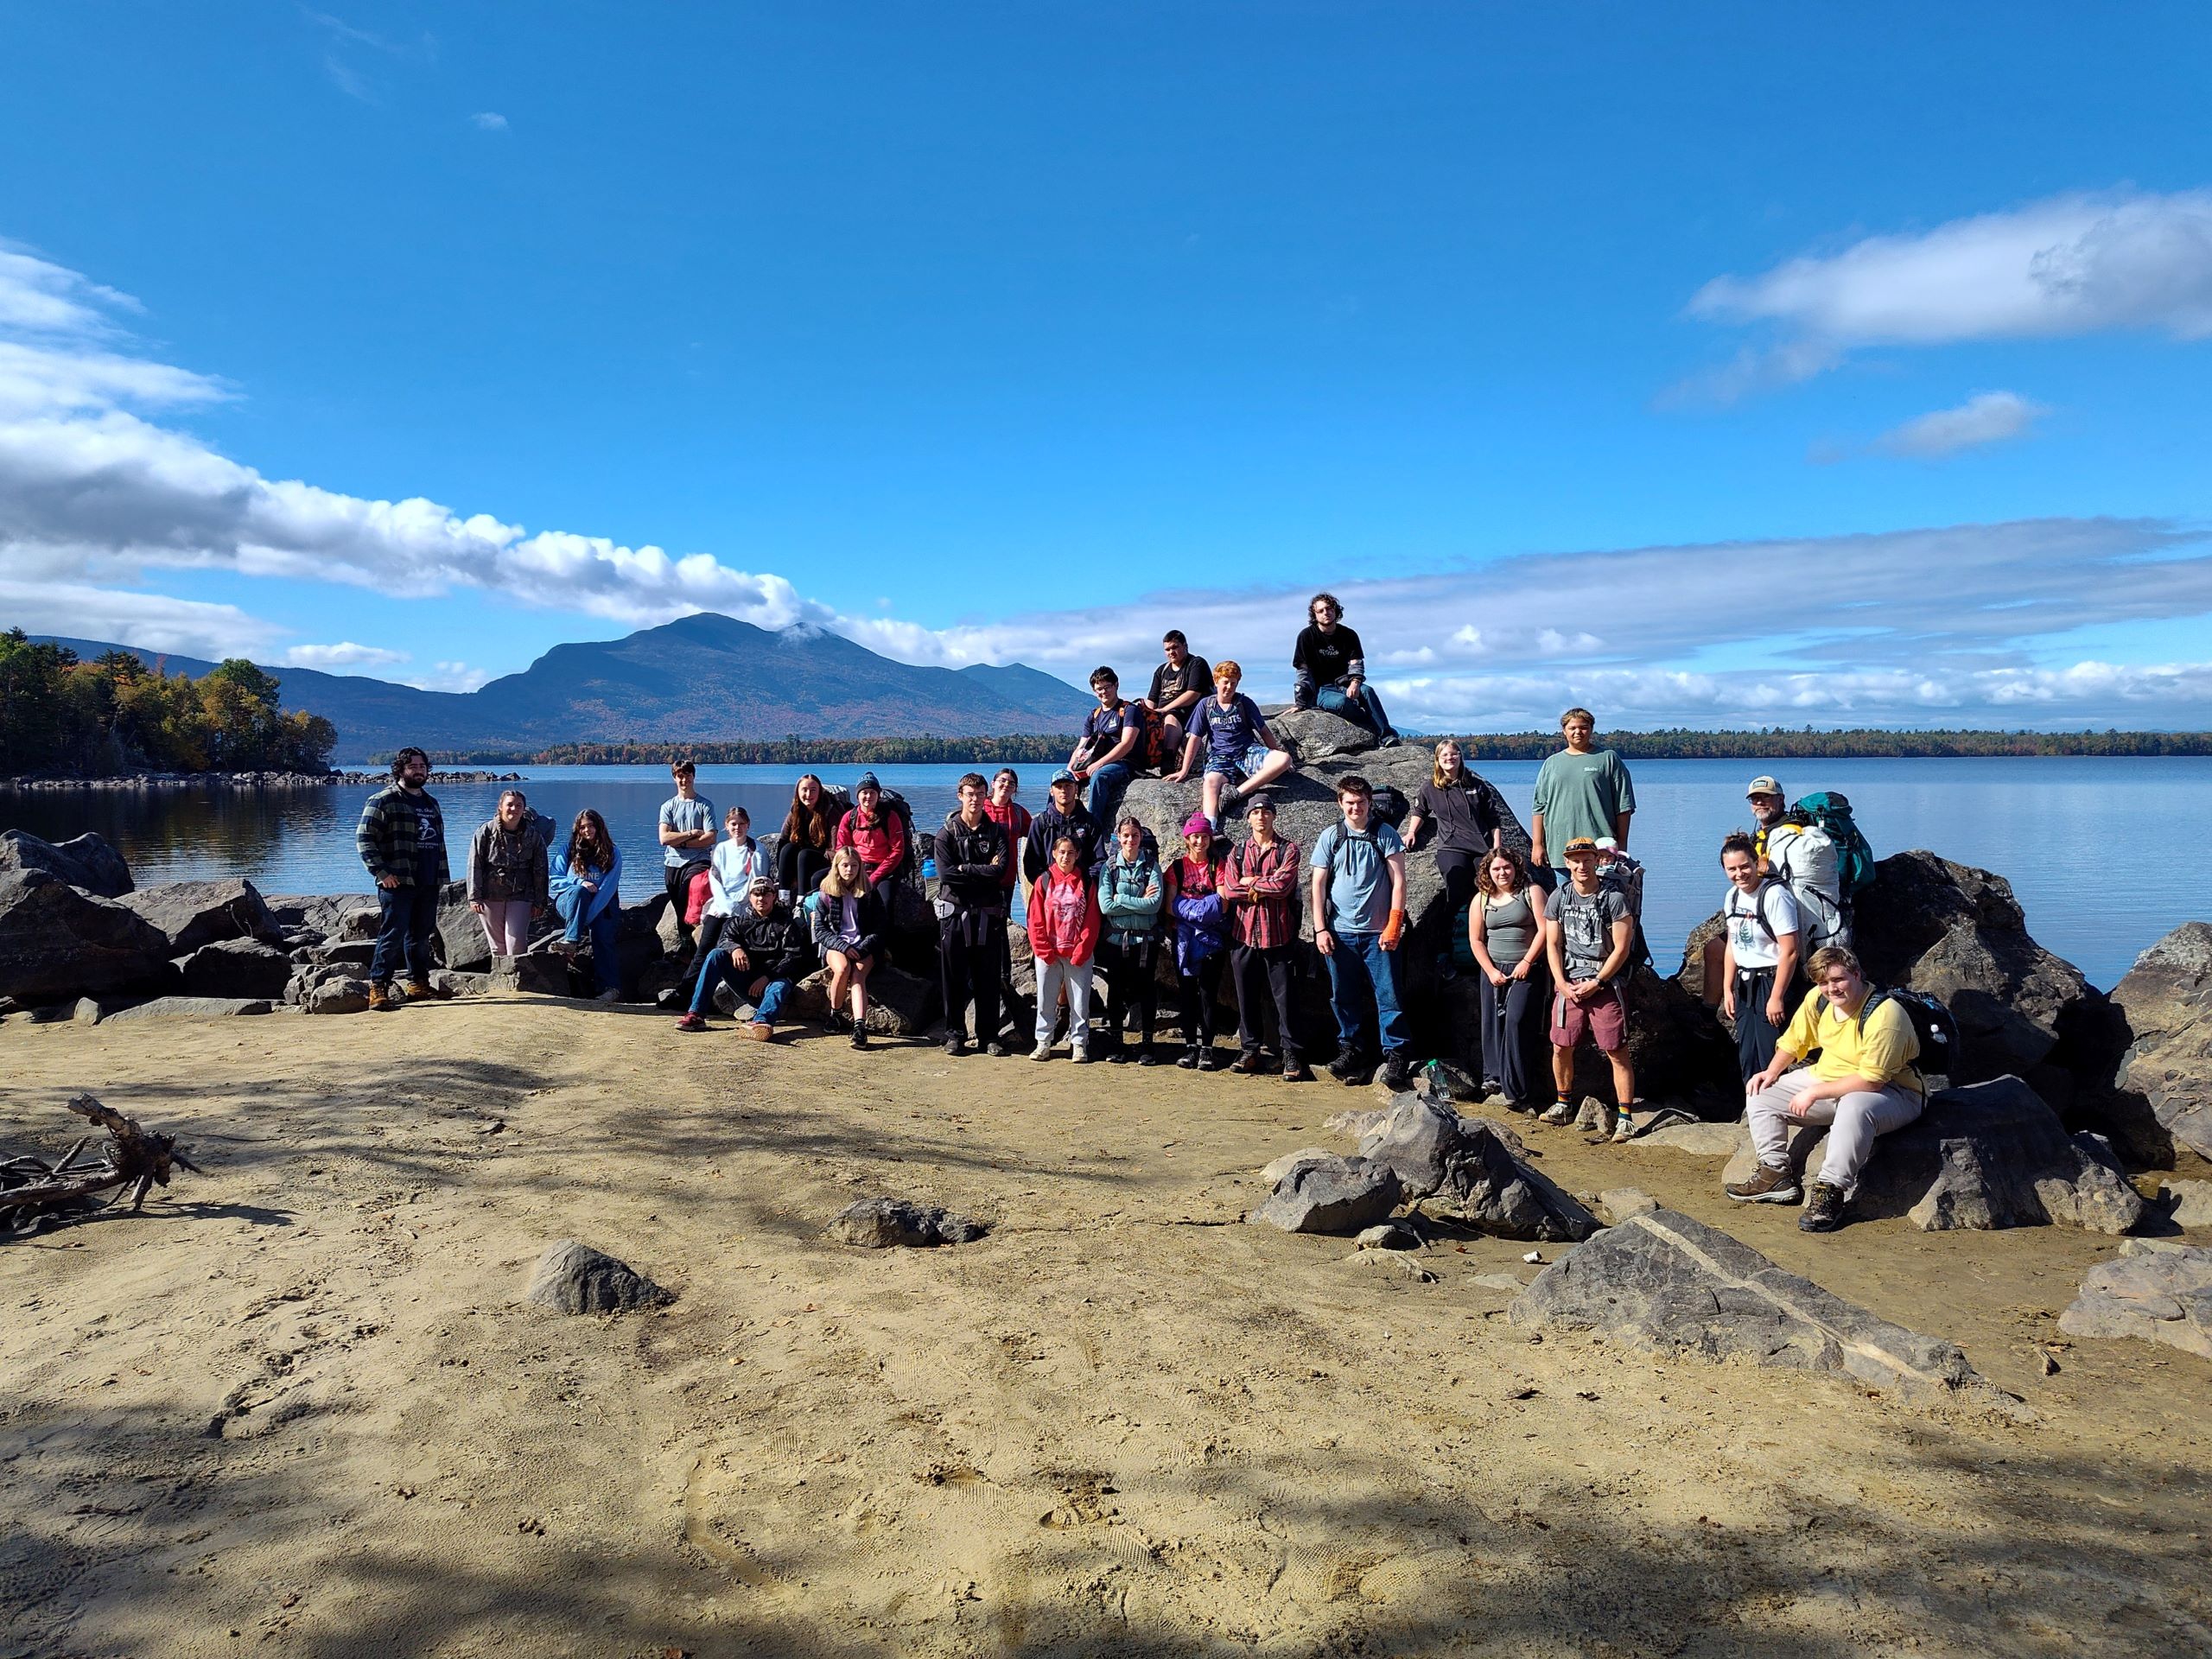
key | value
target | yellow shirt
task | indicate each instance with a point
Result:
(1882, 1050)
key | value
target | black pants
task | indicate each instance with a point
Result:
(799, 868)
(406, 918)
(1132, 982)
(1755, 1035)
(969, 944)
(1195, 992)
(1458, 869)
(1261, 974)
(1513, 1015)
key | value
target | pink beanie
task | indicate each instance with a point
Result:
(1198, 825)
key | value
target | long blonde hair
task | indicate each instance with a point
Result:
(1436, 766)
(835, 884)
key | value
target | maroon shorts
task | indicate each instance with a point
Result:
(1601, 1016)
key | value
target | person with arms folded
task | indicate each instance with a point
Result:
(687, 839)
(1201, 923)
(972, 859)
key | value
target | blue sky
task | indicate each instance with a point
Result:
(1716, 364)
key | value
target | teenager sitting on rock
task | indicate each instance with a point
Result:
(1359, 914)
(737, 859)
(1759, 961)
(1863, 1085)
(587, 887)
(1242, 754)
(1331, 670)
(1063, 935)
(852, 922)
(803, 847)
(1132, 893)
(1589, 935)
(1179, 684)
(1259, 883)
(763, 953)
(878, 832)
(1105, 756)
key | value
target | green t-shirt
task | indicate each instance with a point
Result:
(1581, 795)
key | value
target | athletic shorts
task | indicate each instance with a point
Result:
(1602, 1018)
(1238, 770)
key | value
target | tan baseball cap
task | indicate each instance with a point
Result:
(1763, 786)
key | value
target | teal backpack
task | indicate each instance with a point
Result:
(1854, 860)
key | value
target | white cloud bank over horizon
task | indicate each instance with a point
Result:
(1965, 623)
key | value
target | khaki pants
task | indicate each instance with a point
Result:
(1854, 1121)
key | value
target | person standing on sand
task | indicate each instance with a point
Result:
(1201, 939)
(972, 859)
(1359, 914)
(803, 845)
(402, 842)
(1505, 933)
(507, 881)
(762, 953)
(1063, 937)
(1589, 935)
(1259, 883)
(687, 839)
(1759, 961)
(1010, 816)
(853, 921)
(1580, 791)
(1131, 894)
(587, 887)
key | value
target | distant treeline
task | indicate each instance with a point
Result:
(1675, 744)
(65, 718)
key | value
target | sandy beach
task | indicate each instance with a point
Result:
(298, 1408)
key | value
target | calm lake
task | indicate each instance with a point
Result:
(2046, 824)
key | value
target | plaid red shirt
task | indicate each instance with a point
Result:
(1260, 890)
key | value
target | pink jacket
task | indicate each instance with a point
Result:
(1062, 917)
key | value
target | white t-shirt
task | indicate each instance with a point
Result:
(1753, 946)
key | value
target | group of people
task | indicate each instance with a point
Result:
(1557, 931)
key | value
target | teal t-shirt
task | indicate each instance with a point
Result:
(1581, 795)
(1359, 876)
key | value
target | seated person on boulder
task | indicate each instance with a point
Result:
(1589, 935)
(1178, 685)
(1759, 960)
(1863, 1085)
(1242, 754)
(1331, 670)
(1111, 750)
(877, 831)
(763, 952)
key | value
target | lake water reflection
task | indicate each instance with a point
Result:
(2049, 825)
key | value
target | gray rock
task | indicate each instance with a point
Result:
(236, 968)
(2189, 1203)
(1312, 735)
(84, 1011)
(193, 913)
(1478, 1165)
(335, 993)
(85, 861)
(58, 941)
(189, 1008)
(2166, 1073)
(462, 942)
(2158, 1295)
(1621, 1204)
(1667, 1283)
(1991, 1155)
(885, 1223)
(1281, 1167)
(320, 915)
(460, 984)
(347, 953)
(1338, 1195)
(571, 1277)
(1390, 1235)
(1700, 1140)
(361, 923)
(900, 1004)
(540, 973)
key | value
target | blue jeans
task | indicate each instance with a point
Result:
(1364, 708)
(406, 916)
(1363, 979)
(1109, 784)
(720, 968)
(605, 929)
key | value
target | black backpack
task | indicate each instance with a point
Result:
(1931, 1023)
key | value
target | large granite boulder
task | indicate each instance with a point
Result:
(463, 944)
(57, 941)
(900, 1004)
(320, 913)
(1987, 1156)
(190, 1007)
(2160, 1293)
(1475, 1167)
(193, 913)
(2165, 1074)
(85, 860)
(1675, 1286)
(1330, 1195)
(235, 968)
(1313, 734)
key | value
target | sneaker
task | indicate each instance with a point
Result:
(1042, 1052)
(1188, 1059)
(1248, 1063)
(956, 1048)
(762, 1032)
(1081, 1057)
(692, 1022)
(995, 1049)
(1823, 1210)
(836, 1020)
(1294, 1071)
(1344, 1066)
(608, 996)
(1397, 1073)
(860, 1036)
(1562, 1111)
(1623, 1127)
(1767, 1185)
(380, 999)
(1148, 1057)
(1208, 1058)
(1117, 1056)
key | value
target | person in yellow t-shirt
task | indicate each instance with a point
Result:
(1863, 1085)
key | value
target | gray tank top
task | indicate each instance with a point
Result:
(1508, 928)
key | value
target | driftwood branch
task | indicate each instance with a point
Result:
(34, 1193)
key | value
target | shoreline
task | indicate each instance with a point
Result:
(149, 781)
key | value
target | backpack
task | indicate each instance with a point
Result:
(1391, 804)
(1624, 876)
(1932, 1024)
(1830, 813)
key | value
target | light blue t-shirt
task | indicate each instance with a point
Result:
(676, 813)
(1359, 874)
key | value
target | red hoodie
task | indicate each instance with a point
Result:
(881, 845)
(1064, 917)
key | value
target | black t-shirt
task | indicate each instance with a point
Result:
(1168, 683)
(1327, 657)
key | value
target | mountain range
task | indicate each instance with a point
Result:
(697, 679)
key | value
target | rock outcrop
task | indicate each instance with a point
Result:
(2160, 1293)
(243, 968)
(900, 1004)
(85, 861)
(895, 1224)
(2164, 1078)
(1475, 1168)
(190, 1007)
(1988, 1156)
(58, 941)
(1675, 1286)
(571, 1277)
(193, 913)
(1330, 1195)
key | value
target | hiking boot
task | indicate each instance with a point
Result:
(1248, 1063)
(955, 1047)
(762, 1032)
(1562, 1111)
(420, 990)
(692, 1022)
(860, 1036)
(380, 999)
(1397, 1074)
(1146, 1057)
(1344, 1067)
(1117, 1055)
(1823, 1210)
(1767, 1185)
(1294, 1070)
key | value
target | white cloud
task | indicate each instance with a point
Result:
(148, 621)
(345, 654)
(448, 676)
(1985, 418)
(2071, 265)
(489, 121)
